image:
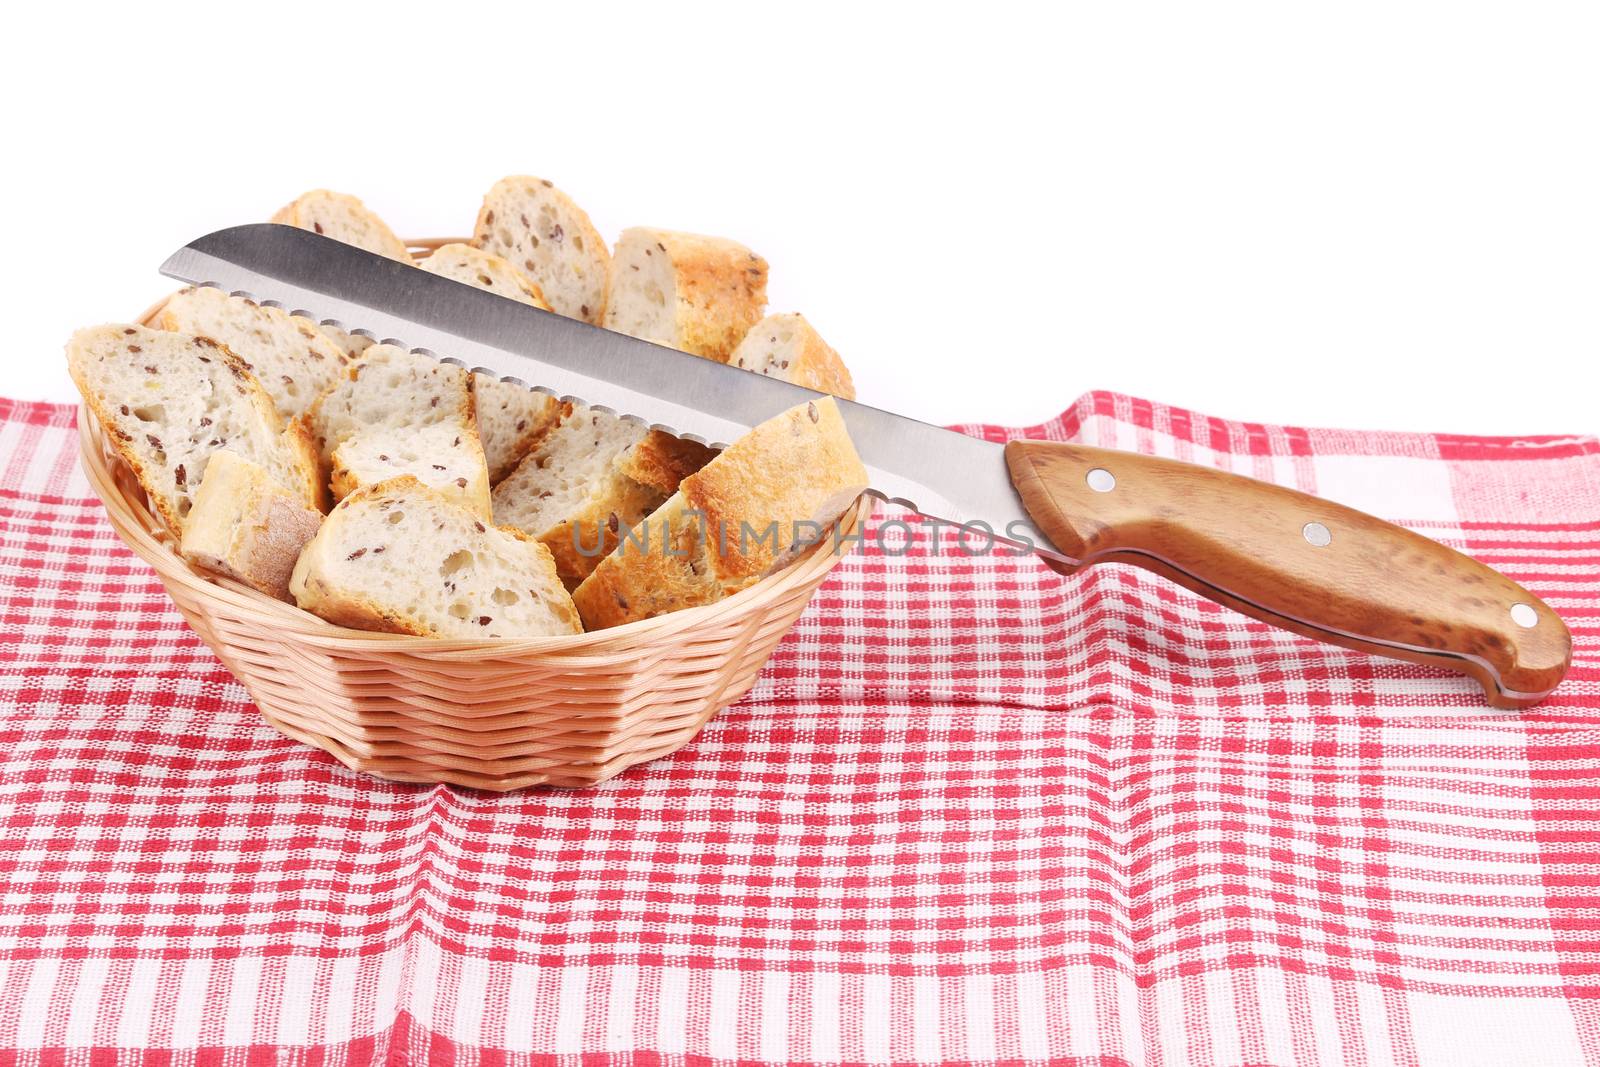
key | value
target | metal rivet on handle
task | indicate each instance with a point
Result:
(1524, 616)
(1317, 535)
(1102, 480)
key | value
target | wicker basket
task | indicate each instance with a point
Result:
(493, 714)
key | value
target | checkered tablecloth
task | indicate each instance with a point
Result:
(973, 812)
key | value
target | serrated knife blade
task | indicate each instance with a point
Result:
(941, 474)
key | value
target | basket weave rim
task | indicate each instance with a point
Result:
(140, 530)
(148, 538)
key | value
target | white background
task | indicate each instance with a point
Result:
(1369, 216)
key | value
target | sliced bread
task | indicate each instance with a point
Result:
(370, 425)
(538, 228)
(400, 558)
(484, 270)
(389, 387)
(343, 218)
(352, 344)
(440, 456)
(693, 293)
(785, 346)
(738, 519)
(292, 358)
(247, 526)
(512, 418)
(169, 401)
(573, 492)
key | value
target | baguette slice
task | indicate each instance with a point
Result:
(574, 493)
(693, 293)
(169, 401)
(352, 344)
(247, 526)
(399, 558)
(343, 218)
(390, 388)
(440, 456)
(740, 518)
(294, 361)
(785, 346)
(512, 418)
(538, 228)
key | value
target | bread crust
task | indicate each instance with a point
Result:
(721, 288)
(663, 461)
(243, 524)
(799, 467)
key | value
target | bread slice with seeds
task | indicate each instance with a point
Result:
(169, 401)
(343, 218)
(539, 229)
(512, 418)
(370, 425)
(292, 358)
(390, 387)
(440, 456)
(399, 558)
(592, 477)
(696, 294)
(740, 518)
(785, 346)
(247, 526)
(352, 344)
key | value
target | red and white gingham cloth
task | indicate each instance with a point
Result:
(973, 812)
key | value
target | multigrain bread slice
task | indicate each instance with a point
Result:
(292, 358)
(352, 344)
(693, 293)
(343, 218)
(399, 412)
(512, 418)
(662, 461)
(539, 229)
(473, 266)
(785, 346)
(169, 401)
(390, 388)
(741, 517)
(399, 558)
(247, 526)
(440, 456)
(592, 477)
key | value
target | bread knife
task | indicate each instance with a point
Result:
(1289, 559)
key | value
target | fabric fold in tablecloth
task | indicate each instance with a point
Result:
(972, 812)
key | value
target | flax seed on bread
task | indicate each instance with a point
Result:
(785, 346)
(369, 425)
(733, 522)
(572, 493)
(168, 401)
(440, 456)
(343, 218)
(693, 293)
(538, 228)
(291, 357)
(247, 526)
(512, 418)
(399, 558)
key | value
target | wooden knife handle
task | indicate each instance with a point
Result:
(1310, 566)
